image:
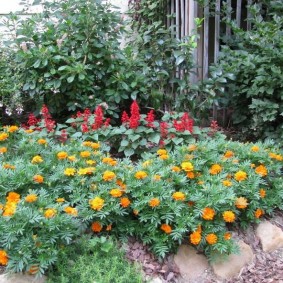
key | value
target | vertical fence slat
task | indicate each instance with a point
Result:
(182, 23)
(228, 29)
(177, 7)
(249, 24)
(238, 12)
(200, 45)
(187, 9)
(205, 41)
(217, 30)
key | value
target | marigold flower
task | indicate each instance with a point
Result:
(227, 183)
(70, 171)
(8, 166)
(229, 154)
(29, 131)
(10, 209)
(96, 227)
(116, 193)
(195, 238)
(187, 166)
(31, 198)
(146, 163)
(12, 129)
(3, 136)
(3, 150)
(262, 193)
(211, 239)
(71, 210)
(97, 203)
(13, 197)
(60, 200)
(166, 228)
(109, 227)
(125, 202)
(261, 170)
(241, 203)
(163, 156)
(36, 159)
(50, 213)
(255, 148)
(140, 175)
(179, 196)
(208, 213)
(86, 171)
(229, 216)
(191, 175)
(215, 169)
(162, 151)
(85, 154)
(72, 158)
(240, 176)
(109, 161)
(108, 176)
(252, 165)
(156, 177)
(38, 178)
(258, 213)
(62, 155)
(176, 169)
(87, 143)
(154, 202)
(42, 141)
(192, 147)
(3, 257)
(95, 145)
(275, 156)
(227, 236)
(90, 162)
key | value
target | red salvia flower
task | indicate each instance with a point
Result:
(150, 118)
(125, 118)
(107, 122)
(187, 122)
(84, 128)
(49, 123)
(32, 120)
(98, 120)
(135, 115)
(163, 129)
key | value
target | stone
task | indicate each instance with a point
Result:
(21, 278)
(191, 264)
(234, 263)
(156, 280)
(270, 236)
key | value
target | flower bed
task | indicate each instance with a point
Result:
(51, 193)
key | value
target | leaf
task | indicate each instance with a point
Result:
(180, 60)
(124, 142)
(128, 152)
(71, 79)
(77, 135)
(37, 63)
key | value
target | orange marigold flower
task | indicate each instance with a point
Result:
(255, 148)
(187, 166)
(258, 213)
(176, 169)
(211, 239)
(192, 147)
(140, 175)
(87, 143)
(195, 238)
(162, 151)
(96, 227)
(13, 197)
(31, 198)
(229, 216)
(125, 202)
(275, 156)
(10, 209)
(8, 166)
(227, 183)
(3, 257)
(62, 155)
(240, 176)
(12, 129)
(72, 158)
(166, 228)
(3, 136)
(85, 154)
(229, 154)
(261, 170)
(108, 176)
(70, 171)
(86, 171)
(95, 145)
(215, 169)
(97, 203)
(42, 141)
(36, 159)
(241, 203)
(109, 161)
(71, 210)
(29, 131)
(50, 213)
(120, 183)
(191, 175)
(38, 178)
(154, 202)
(208, 213)
(227, 236)
(60, 200)
(3, 150)
(116, 193)
(179, 196)
(262, 193)
(163, 156)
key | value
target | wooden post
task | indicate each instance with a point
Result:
(249, 24)
(177, 6)
(205, 41)
(239, 12)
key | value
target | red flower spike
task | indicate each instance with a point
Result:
(150, 119)
(135, 115)
(163, 129)
(98, 120)
(125, 118)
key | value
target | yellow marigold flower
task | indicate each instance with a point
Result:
(13, 197)
(8, 166)
(87, 143)
(70, 171)
(275, 156)
(229, 154)
(255, 148)
(85, 154)
(211, 239)
(179, 196)
(192, 147)
(50, 213)
(10, 209)
(241, 203)
(208, 213)
(60, 200)
(97, 203)
(261, 170)
(3, 136)
(71, 210)
(229, 216)
(36, 159)
(154, 202)
(96, 227)
(240, 176)
(187, 166)
(166, 228)
(140, 175)
(176, 169)
(3, 150)
(31, 198)
(163, 156)
(258, 213)
(125, 202)
(29, 131)
(42, 141)
(95, 145)
(62, 155)
(195, 238)
(108, 176)
(86, 171)
(162, 151)
(215, 169)
(110, 161)
(3, 257)
(191, 175)
(227, 183)
(227, 236)
(156, 177)
(90, 162)
(12, 129)
(146, 163)
(116, 193)
(38, 178)
(262, 193)
(72, 158)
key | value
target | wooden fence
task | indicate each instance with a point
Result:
(209, 41)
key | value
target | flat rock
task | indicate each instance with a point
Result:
(271, 236)
(234, 263)
(21, 278)
(190, 263)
